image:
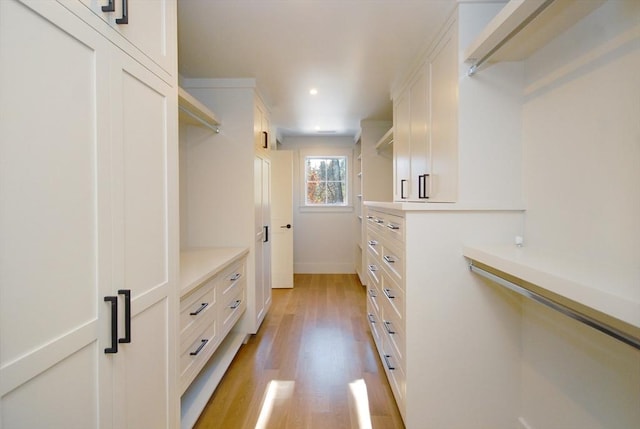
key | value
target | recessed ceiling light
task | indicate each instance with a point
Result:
(313, 91)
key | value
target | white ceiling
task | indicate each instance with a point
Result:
(352, 51)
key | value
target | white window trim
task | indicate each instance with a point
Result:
(328, 152)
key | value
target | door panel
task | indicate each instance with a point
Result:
(54, 216)
(281, 216)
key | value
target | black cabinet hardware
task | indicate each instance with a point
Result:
(127, 315)
(266, 233)
(200, 347)
(387, 361)
(110, 7)
(265, 142)
(199, 310)
(114, 324)
(125, 13)
(235, 304)
(235, 277)
(402, 182)
(422, 186)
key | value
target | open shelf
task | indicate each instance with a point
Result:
(386, 140)
(577, 286)
(524, 26)
(192, 111)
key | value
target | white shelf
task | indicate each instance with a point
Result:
(199, 264)
(524, 26)
(576, 285)
(193, 112)
(386, 140)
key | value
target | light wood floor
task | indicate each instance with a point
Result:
(312, 365)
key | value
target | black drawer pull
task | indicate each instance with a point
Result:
(235, 277)
(235, 304)
(199, 310)
(389, 293)
(379, 221)
(373, 268)
(200, 347)
(114, 324)
(372, 243)
(393, 226)
(387, 361)
(372, 293)
(390, 259)
(371, 318)
(389, 327)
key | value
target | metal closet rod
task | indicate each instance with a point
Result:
(213, 128)
(576, 315)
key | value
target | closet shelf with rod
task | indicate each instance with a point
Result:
(575, 289)
(523, 26)
(194, 112)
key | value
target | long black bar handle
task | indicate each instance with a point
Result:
(125, 13)
(200, 347)
(110, 7)
(422, 186)
(114, 324)
(265, 134)
(266, 233)
(402, 182)
(127, 315)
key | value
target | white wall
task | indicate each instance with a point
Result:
(323, 242)
(581, 143)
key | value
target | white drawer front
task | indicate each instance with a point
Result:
(196, 354)
(197, 306)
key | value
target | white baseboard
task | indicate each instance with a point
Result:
(324, 268)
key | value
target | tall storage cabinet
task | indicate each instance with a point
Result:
(89, 248)
(232, 168)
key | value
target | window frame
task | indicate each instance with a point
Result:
(326, 153)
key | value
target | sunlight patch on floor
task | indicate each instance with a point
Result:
(358, 390)
(277, 392)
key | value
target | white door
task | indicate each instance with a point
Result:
(282, 218)
(54, 218)
(144, 151)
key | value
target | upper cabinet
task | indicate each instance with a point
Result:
(522, 27)
(425, 117)
(138, 26)
(261, 131)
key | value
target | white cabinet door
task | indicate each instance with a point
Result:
(262, 189)
(444, 120)
(150, 25)
(144, 152)
(55, 248)
(401, 147)
(419, 126)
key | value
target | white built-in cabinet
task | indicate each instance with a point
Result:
(88, 300)
(373, 182)
(425, 121)
(226, 181)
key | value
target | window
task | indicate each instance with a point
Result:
(326, 179)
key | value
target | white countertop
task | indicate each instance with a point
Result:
(199, 264)
(430, 207)
(580, 283)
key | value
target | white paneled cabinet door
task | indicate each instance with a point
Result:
(262, 189)
(55, 245)
(149, 25)
(144, 151)
(401, 147)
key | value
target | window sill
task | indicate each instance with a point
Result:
(326, 209)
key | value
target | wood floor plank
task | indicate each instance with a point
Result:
(313, 364)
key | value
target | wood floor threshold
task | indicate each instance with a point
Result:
(312, 365)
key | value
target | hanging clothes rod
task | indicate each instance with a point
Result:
(576, 315)
(201, 121)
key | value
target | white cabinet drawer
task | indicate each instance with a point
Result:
(197, 306)
(386, 225)
(393, 294)
(232, 308)
(232, 279)
(392, 260)
(196, 353)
